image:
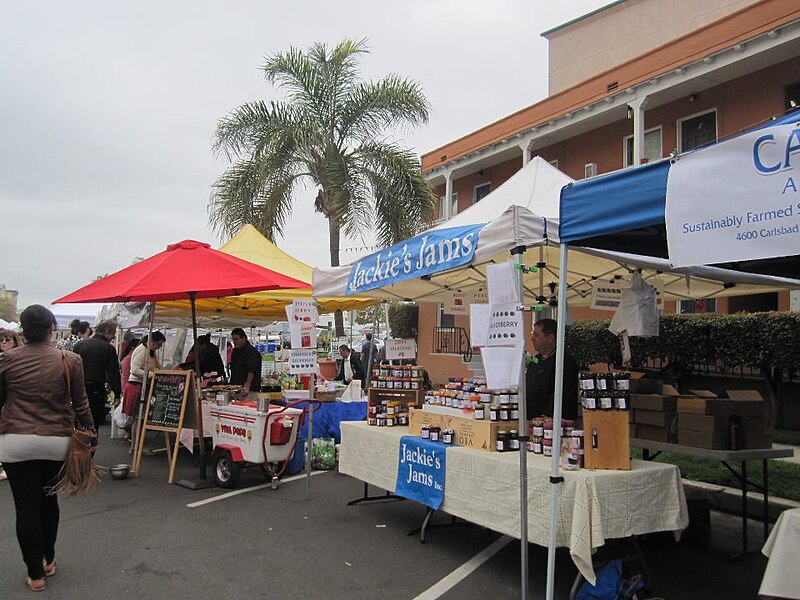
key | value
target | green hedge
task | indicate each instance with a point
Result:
(756, 340)
(403, 320)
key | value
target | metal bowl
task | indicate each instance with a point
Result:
(119, 471)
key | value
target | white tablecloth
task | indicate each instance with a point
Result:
(782, 577)
(483, 488)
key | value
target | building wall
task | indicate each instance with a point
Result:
(610, 37)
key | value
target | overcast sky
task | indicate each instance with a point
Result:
(107, 111)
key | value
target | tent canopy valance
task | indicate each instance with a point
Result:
(524, 212)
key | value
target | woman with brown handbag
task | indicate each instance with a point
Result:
(42, 397)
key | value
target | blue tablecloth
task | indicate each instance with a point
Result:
(328, 416)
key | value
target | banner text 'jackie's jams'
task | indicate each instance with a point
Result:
(433, 251)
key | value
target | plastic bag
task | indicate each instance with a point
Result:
(121, 420)
(323, 454)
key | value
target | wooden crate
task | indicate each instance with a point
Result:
(411, 398)
(606, 439)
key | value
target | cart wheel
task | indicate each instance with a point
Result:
(226, 471)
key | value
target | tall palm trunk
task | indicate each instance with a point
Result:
(334, 234)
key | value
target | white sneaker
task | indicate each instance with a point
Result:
(3, 474)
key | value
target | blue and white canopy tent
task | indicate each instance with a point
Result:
(734, 204)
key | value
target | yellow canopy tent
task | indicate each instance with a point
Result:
(248, 244)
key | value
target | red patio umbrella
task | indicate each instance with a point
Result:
(182, 270)
(188, 269)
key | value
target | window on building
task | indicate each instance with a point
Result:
(446, 320)
(453, 206)
(792, 97)
(652, 147)
(554, 162)
(753, 303)
(706, 305)
(481, 191)
(697, 130)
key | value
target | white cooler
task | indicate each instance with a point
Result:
(243, 427)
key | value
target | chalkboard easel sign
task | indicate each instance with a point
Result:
(170, 406)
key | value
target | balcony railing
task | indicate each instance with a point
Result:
(452, 340)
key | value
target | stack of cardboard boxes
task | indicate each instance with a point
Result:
(700, 418)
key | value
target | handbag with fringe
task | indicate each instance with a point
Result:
(78, 474)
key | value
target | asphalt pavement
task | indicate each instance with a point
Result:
(143, 538)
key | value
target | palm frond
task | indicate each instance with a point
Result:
(390, 102)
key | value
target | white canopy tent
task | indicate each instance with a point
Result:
(520, 219)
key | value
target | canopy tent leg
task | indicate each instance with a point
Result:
(555, 475)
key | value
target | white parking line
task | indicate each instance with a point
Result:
(461, 573)
(250, 489)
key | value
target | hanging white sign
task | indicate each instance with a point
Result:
(503, 282)
(606, 295)
(457, 303)
(502, 367)
(303, 361)
(478, 324)
(302, 315)
(505, 326)
(399, 349)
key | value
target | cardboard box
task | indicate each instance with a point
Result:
(658, 402)
(606, 439)
(669, 390)
(703, 439)
(657, 418)
(743, 395)
(703, 393)
(643, 385)
(751, 441)
(705, 423)
(705, 406)
(651, 432)
(753, 423)
(472, 433)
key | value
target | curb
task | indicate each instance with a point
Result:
(729, 500)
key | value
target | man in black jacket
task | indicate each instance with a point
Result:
(349, 366)
(245, 363)
(540, 376)
(100, 368)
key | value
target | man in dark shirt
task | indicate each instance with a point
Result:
(540, 376)
(245, 363)
(100, 367)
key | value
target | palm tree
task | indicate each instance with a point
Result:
(329, 131)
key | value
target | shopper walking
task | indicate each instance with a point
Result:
(8, 339)
(100, 368)
(42, 395)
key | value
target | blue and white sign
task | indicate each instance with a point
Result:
(425, 254)
(737, 200)
(421, 471)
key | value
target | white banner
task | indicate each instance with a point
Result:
(737, 200)
(400, 349)
(303, 361)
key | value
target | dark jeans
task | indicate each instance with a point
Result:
(37, 513)
(97, 403)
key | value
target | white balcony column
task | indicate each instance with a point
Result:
(448, 195)
(526, 152)
(638, 105)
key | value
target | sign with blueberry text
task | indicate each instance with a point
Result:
(421, 469)
(428, 253)
(736, 200)
(303, 361)
(506, 326)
